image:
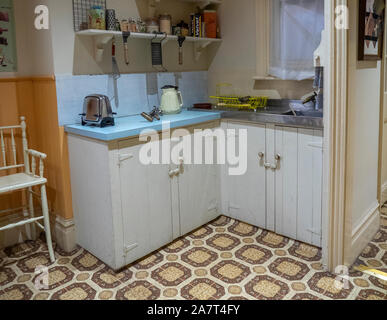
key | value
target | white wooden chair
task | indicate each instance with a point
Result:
(25, 180)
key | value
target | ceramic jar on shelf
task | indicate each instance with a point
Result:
(166, 24)
(132, 25)
(97, 18)
(152, 25)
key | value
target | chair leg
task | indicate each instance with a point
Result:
(31, 212)
(47, 222)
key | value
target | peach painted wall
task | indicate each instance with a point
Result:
(9, 93)
(35, 98)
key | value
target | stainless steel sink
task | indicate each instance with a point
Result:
(280, 111)
(277, 112)
(312, 113)
(288, 112)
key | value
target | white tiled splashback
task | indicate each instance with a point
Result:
(137, 92)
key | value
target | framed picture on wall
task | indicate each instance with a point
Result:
(8, 61)
(371, 29)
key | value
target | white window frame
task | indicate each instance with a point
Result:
(263, 26)
(263, 14)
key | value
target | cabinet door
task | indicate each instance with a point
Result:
(199, 191)
(310, 163)
(146, 204)
(285, 192)
(246, 194)
(298, 184)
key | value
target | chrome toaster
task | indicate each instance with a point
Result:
(97, 111)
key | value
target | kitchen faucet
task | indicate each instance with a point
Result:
(316, 96)
(155, 114)
(310, 97)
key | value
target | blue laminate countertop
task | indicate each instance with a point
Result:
(133, 125)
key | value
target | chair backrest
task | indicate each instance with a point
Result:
(8, 151)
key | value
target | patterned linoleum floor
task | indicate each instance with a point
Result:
(223, 260)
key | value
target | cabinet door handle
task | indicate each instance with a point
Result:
(277, 161)
(181, 165)
(275, 166)
(174, 172)
(124, 157)
(261, 156)
(179, 170)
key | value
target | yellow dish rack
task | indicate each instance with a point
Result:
(239, 102)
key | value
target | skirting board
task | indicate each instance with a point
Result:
(65, 236)
(364, 232)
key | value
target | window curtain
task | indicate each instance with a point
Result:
(296, 27)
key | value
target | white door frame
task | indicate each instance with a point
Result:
(382, 187)
(335, 136)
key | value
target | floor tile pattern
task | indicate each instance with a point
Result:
(225, 259)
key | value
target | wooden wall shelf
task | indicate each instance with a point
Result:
(102, 37)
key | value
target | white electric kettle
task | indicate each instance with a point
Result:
(171, 100)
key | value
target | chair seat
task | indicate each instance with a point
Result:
(19, 181)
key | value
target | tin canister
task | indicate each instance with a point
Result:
(166, 24)
(97, 18)
(110, 19)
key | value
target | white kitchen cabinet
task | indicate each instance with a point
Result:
(298, 183)
(246, 194)
(199, 193)
(145, 202)
(124, 210)
(310, 185)
(282, 188)
(284, 180)
(96, 196)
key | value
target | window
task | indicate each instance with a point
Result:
(295, 34)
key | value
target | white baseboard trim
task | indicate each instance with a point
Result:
(364, 232)
(65, 236)
(384, 193)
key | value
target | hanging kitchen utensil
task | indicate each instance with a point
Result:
(157, 52)
(180, 40)
(116, 73)
(116, 70)
(125, 36)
